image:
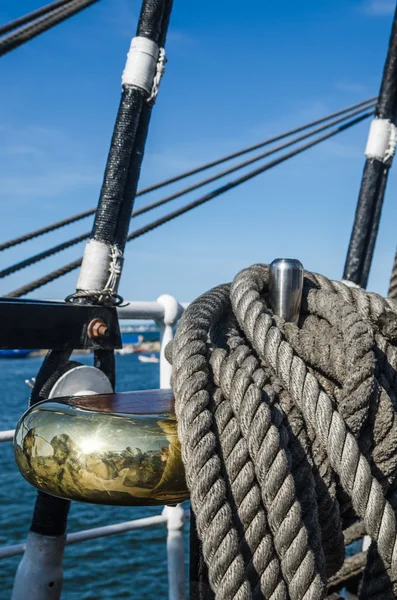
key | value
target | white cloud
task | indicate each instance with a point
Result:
(40, 162)
(379, 7)
(351, 86)
(176, 36)
(298, 114)
(121, 17)
(50, 183)
(343, 149)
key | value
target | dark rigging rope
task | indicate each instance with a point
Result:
(103, 256)
(30, 31)
(377, 165)
(30, 287)
(276, 138)
(32, 16)
(62, 223)
(63, 246)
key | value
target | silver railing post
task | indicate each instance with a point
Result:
(39, 574)
(175, 552)
(175, 514)
(172, 312)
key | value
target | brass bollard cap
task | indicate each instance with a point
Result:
(116, 449)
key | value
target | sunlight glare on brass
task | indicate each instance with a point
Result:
(117, 449)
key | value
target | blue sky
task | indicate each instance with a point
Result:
(234, 76)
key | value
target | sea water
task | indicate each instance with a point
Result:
(132, 565)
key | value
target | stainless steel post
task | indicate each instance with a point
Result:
(285, 288)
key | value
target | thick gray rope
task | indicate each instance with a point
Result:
(289, 433)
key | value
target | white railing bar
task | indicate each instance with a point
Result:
(144, 310)
(115, 528)
(97, 532)
(7, 436)
(92, 534)
(141, 310)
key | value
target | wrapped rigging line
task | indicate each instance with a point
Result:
(140, 83)
(288, 435)
(379, 154)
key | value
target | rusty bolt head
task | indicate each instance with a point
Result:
(97, 328)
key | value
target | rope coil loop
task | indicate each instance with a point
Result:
(288, 435)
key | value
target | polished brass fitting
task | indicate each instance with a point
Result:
(118, 449)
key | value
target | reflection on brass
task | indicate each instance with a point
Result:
(82, 448)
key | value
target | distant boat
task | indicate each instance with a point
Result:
(148, 359)
(15, 353)
(127, 349)
(129, 338)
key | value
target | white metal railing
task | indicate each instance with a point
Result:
(165, 312)
(7, 436)
(114, 529)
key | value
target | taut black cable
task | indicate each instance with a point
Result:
(30, 287)
(32, 16)
(30, 31)
(64, 245)
(62, 223)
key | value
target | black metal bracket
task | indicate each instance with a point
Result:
(37, 324)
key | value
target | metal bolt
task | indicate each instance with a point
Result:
(97, 328)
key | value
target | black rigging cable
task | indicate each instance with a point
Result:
(62, 223)
(103, 255)
(63, 246)
(376, 169)
(30, 287)
(32, 16)
(276, 138)
(30, 31)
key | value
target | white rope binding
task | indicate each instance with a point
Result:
(160, 70)
(382, 140)
(94, 270)
(100, 271)
(116, 264)
(141, 66)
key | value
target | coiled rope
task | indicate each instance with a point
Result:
(289, 435)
